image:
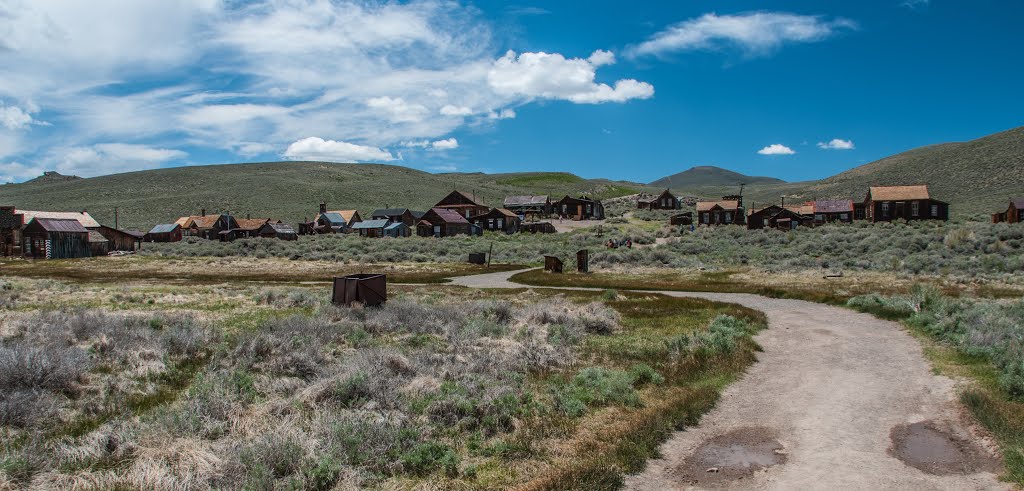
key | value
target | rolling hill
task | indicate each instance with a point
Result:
(707, 176)
(289, 191)
(974, 177)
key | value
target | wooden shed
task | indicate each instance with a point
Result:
(443, 222)
(498, 220)
(681, 219)
(277, 231)
(397, 229)
(535, 206)
(371, 228)
(888, 203)
(1014, 212)
(721, 212)
(832, 210)
(53, 238)
(122, 240)
(166, 232)
(403, 215)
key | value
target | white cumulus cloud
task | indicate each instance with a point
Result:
(776, 149)
(314, 148)
(446, 144)
(756, 33)
(837, 144)
(450, 110)
(15, 118)
(553, 76)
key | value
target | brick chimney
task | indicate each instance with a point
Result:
(202, 212)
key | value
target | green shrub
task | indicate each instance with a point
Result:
(429, 457)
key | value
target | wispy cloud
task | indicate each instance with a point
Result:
(756, 33)
(837, 144)
(915, 4)
(776, 149)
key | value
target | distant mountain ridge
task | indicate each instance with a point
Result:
(52, 176)
(709, 175)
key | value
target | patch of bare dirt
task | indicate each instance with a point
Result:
(732, 456)
(926, 447)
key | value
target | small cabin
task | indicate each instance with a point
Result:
(536, 206)
(581, 208)
(403, 215)
(664, 201)
(122, 240)
(1014, 212)
(281, 231)
(55, 238)
(167, 232)
(832, 211)
(890, 203)
(443, 222)
(468, 206)
(498, 220)
(721, 212)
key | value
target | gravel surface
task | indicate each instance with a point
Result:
(832, 387)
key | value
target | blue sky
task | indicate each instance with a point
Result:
(625, 90)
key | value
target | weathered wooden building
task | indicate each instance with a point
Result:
(165, 232)
(207, 226)
(780, 217)
(681, 219)
(498, 220)
(403, 215)
(10, 231)
(443, 222)
(464, 204)
(1014, 212)
(82, 217)
(271, 230)
(55, 238)
(397, 229)
(888, 203)
(664, 201)
(371, 228)
(832, 210)
(122, 240)
(527, 206)
(250, 227)
(581, 208)
(727, 211)
(538, 228)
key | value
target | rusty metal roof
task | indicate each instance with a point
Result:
(727, 205)
(449, 216)
(525, 200)
(60, 225)
(1018, 203)
(84, 218)
(833, 206)
(348, 215)
(251, 223)
(899, 193)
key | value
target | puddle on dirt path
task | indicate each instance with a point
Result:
(733, 456)
(925, 447)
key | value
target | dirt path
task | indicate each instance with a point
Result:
(832, 402)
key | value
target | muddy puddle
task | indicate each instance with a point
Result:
(926, 447)
(732, 456)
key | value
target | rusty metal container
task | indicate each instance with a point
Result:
(583, 261)
(477, 257)
(367, 289)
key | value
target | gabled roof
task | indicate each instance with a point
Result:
(207, 221)
(389, 212)
(525, 200)
(164, 228)
(281, 228)
(251, 223)
(833, 206)
(470, 200)
(95, 236)
(334, 218)
(727, 205)
(1018, 203)
(395, 225)
(380, 223)
(59, 225)
(84, 218)
(449, 216)
(417, 214)
(348, 215)
(898, 193)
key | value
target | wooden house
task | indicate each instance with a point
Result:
(581, 208)
(397, 229)
(371, 228)
(250, 227)
(681, 219)
(727, 211)
(122, 240)
(536, 206)
(888, 203)
(82, 217)
(403, 215)
(330, 223)
(98, 244)
(498, 220)
(781, 217)
(832, 210)
(53, 238)
(466, 205)
(443, 222)
(271, 230)
(166, 232)
(1014, 212)
(664, 201)
(207, 226)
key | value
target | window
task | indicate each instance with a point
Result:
(844, 216)
(706, 218)
(819, 217)
(490, 223)
(935, 210)
(501, 223)
(915, 208)
(885, 209)
(728, 218)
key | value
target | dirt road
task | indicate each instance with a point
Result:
(837, 400)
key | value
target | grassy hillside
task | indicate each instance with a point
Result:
(710, 176)
(289, 191)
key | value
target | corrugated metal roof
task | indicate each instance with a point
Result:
(728, 205)
(348, 215)
(394, 226)
(60, 225)
(449, 216)
(282, 228)
(389, 212)
(372, 224)
(833, 206)
(84, 218)
(525, 200)
(334, 217)
(898, 193)
(251, 223)
(164, 228)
